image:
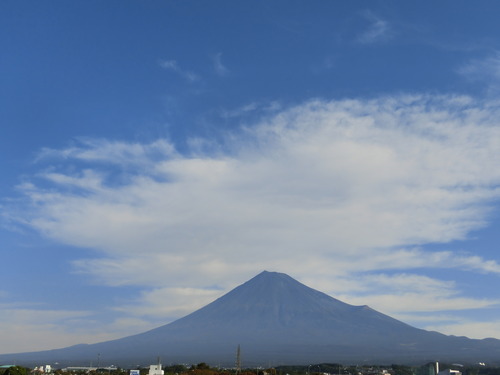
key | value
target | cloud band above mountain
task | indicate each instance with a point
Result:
(355, 186)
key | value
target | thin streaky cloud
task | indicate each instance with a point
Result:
(471, 329)
(115, 152)
(240, 111)
(257, 108)
(173, 66)
(485, 71)
(219, 67)
(379, 30)
(486, 68)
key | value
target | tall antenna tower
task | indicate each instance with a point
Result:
(238, 360)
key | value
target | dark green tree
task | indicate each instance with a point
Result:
(402, 370)
(16, 370)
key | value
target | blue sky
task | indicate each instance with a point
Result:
(154, 155)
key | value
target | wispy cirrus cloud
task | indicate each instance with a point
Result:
(485, 71)
(173, 66)
(251, 108)
(355, 186)
(96, 150)
(378, 30)
(219, 67)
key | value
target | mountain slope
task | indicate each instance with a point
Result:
(278, 320)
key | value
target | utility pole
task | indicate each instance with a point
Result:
(238, 360)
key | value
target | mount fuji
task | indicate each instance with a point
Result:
(276, 320)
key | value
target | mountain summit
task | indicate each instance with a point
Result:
(277, 320)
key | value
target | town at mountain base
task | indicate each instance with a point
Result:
(277, 320)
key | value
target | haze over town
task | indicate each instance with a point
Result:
(156, 154)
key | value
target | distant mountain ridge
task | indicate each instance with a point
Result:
(277, 320)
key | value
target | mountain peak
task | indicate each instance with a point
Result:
(266, 272)
(272, 276)
(273, 298)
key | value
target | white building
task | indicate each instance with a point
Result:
(156, 369)
(46, 369)
(449, 372)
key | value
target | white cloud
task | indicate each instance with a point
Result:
(378, 30)
(327, 191)
(127, 154)
(241, 111)
(173, 66)
(471, 329)
(181, 301)
(220, 68)
(29, 329)
(410, 293)
(421, 301)
(250, 109)
(481, 69)
(485, 71)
